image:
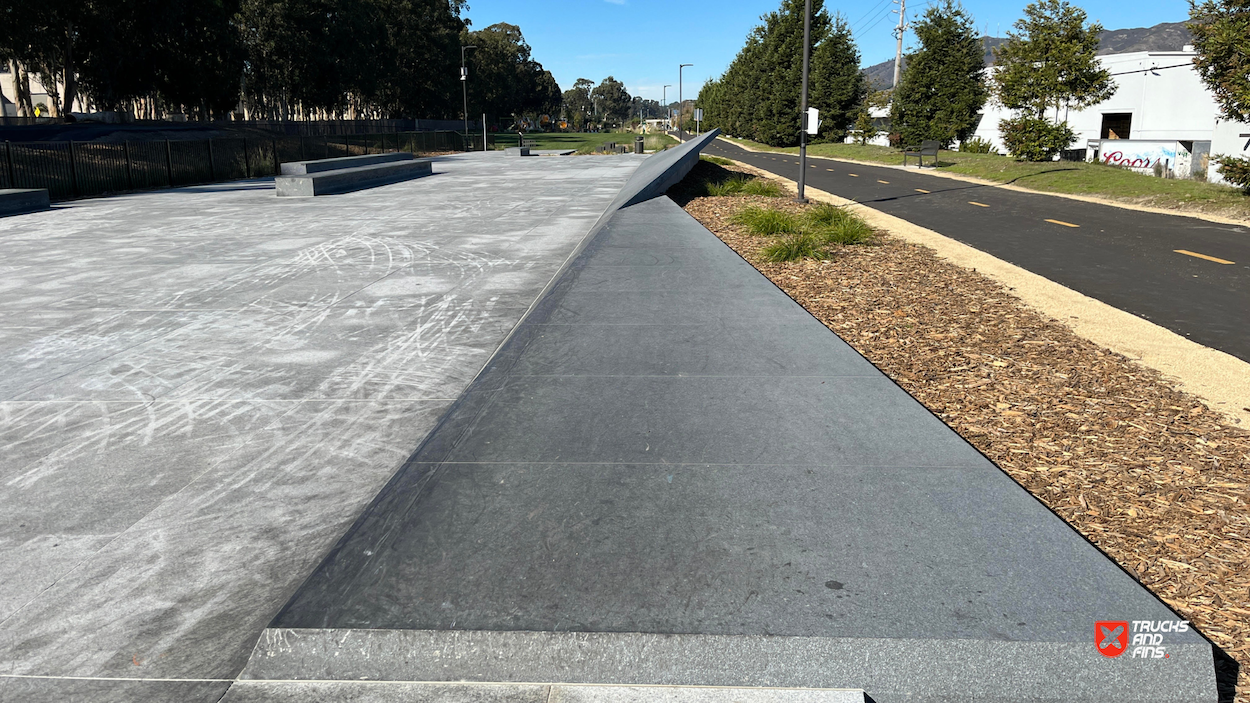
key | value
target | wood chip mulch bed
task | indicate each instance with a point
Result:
(1149, 474)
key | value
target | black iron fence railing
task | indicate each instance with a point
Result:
(81, 169)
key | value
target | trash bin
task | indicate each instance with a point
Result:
(638, 144)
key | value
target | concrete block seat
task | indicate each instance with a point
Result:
(15, 201)
(348, 173)
(517, 151)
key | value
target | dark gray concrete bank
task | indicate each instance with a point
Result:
(671, 474)
(17, 201)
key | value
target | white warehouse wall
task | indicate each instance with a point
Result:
(1161, 90)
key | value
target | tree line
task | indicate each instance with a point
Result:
(283, 60)
(1047, 67)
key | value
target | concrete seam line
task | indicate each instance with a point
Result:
(1220, 380)
(1019, 189)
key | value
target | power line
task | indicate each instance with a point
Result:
(880, 15)
(869, 12)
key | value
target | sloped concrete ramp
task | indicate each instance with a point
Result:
(672, 475)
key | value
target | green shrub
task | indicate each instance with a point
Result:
(977, 145)
(716, 160)
(792, 247)
(767, 221)
(1034, 138)
(1235, 170)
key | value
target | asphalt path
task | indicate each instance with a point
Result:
(1125, 258)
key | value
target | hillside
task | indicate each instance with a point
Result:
(1168, 36)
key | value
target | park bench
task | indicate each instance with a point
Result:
(348, 173)
(15, 201)
(928, 147)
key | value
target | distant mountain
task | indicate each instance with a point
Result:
(1168, 36)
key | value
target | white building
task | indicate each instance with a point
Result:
(1160, 105)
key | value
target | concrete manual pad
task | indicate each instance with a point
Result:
(205, 386)
(636, 509)
(345, 180)
(300, 168)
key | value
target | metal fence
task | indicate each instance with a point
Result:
(81, 169)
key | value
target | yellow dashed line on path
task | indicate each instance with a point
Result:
(881, 181)
(1203, 256)
(829, 169)
(973, 202)
(853, 175)
(921, 190)
(1061, 222)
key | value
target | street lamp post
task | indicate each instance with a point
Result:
(667, 112)
(464, 83)
(680, 102)
(807, 55)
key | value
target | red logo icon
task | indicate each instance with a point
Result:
(1111, 637)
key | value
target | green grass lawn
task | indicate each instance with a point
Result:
(583, 141)
(1075, 178)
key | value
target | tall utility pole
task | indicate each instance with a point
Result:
(464, 83)
(681, 104)
(898, 52)
(668, 114)
(807, 58)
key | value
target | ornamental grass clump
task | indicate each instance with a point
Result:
(767, 221)
(739, 185)
(792, 247)
(835, 225)
(810, 235)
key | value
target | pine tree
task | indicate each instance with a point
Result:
(943, 87)
(838, 87)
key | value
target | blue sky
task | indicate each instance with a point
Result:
(641, 42)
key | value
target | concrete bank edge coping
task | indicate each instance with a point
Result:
(1220, 380)
(245, 691)
(974, 670)
(1218, 219)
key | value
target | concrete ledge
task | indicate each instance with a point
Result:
(15, 201)
(517, 151)
(303, 168)
(349, 179)
(428, 692)
(886, 669)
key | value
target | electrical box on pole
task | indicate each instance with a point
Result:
(811, 121)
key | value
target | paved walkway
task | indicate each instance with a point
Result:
(671, 474)
(204, 387)
(1126, 258)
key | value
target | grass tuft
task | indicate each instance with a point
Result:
(716, 160)
(767, 221)
(792, 247)
(740, 185)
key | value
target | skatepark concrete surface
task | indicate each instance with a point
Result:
(672, 475)
(204, 387)
(668, 483)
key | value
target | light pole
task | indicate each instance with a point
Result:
(667, 112)
(680, 103)
(464, 83)
(807, 56)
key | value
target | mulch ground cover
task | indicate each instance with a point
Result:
(1150, 475)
